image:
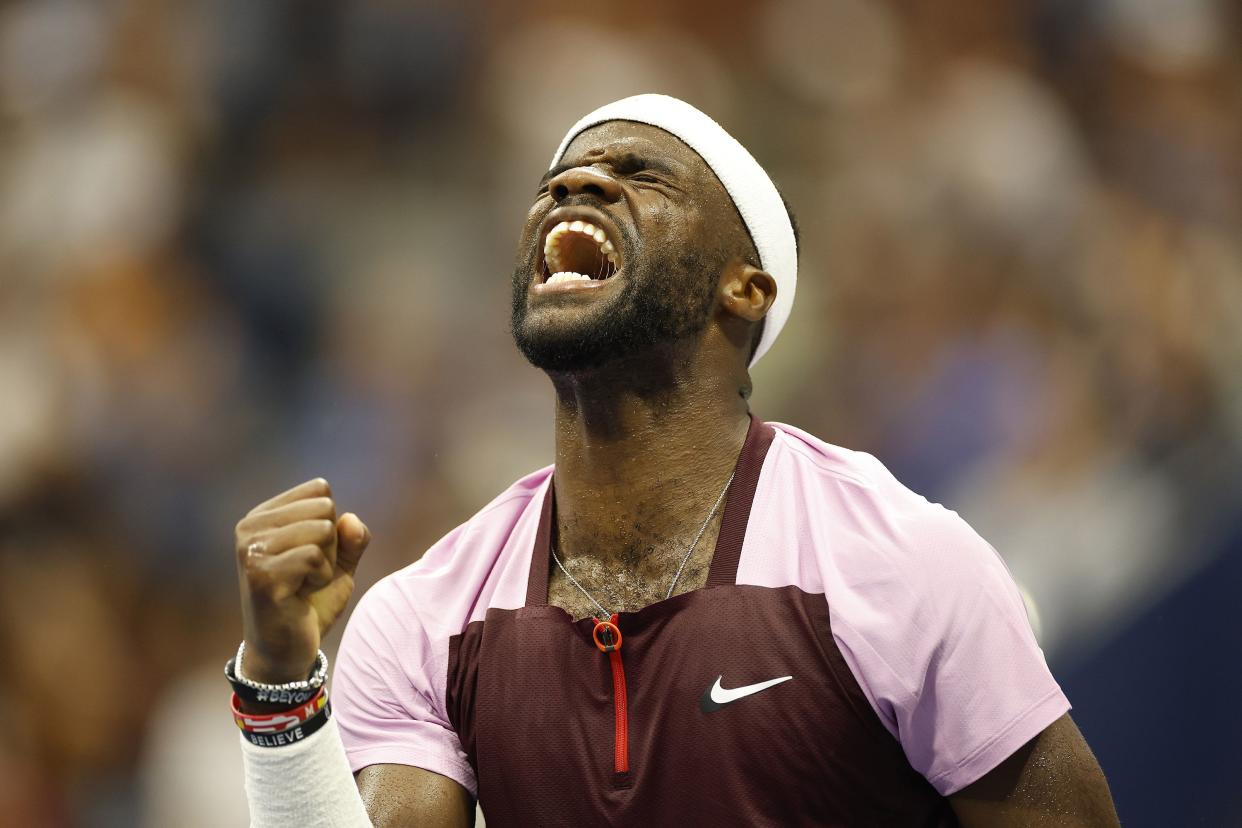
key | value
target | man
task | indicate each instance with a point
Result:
(699, 618)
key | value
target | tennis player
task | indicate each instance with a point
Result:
(694, 617)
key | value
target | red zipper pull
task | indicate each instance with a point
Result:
(607, 637)
(610, 634)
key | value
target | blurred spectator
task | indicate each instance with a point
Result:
(248, 243)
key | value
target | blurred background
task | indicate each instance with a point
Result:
(245, 243)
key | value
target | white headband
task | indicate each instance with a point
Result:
(748, 185)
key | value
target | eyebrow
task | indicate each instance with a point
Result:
(629, 161)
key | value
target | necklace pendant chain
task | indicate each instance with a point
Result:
(605, 614)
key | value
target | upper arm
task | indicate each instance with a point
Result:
(1053, 779)
(400, 795)
(389, 689)
(939, 641)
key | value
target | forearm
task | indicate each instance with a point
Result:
(307, 784)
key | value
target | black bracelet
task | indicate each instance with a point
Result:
(294, 734)
(271, 694)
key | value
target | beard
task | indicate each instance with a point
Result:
(661, 301)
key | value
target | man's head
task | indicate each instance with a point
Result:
(634, 247)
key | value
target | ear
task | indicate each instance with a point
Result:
(746, 291)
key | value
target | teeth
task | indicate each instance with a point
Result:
(551, 245)
(566, 276)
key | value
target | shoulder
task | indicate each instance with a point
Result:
(902, 575)
(923, 610)
(391, 679)
(871, 519)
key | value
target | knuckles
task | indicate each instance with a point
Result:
(307, 507)
(258, 575)
(251, 542)
(248, 538)
(315, 487)
(310, 520)
(323, 506)
(247, 546)
(316, 558)
(325, 530)
(278, 546)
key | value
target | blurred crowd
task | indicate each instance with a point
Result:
(246, 243)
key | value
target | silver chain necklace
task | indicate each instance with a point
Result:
(605, 614)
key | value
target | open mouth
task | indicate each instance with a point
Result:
(577, 251)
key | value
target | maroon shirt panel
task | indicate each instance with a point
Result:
(728, 551)
(531, 699)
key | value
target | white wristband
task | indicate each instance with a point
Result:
(307, 784)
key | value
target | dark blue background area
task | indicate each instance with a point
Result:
(1160, 704)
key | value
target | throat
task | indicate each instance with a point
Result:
(639, 488)
(628, 580)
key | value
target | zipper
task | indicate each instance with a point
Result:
(607, 637)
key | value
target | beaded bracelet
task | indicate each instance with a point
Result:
(290, 693)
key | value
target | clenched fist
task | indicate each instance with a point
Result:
(296, 564)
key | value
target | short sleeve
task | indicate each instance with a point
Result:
(951, 665)
(388, 689)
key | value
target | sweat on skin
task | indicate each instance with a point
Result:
(473, 672)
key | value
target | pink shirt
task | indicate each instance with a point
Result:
(922, 610)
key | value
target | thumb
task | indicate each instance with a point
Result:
(352, 537)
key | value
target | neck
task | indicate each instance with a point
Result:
(639, 465)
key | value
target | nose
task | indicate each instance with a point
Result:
(584, 180)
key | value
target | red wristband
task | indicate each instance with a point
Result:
(280, 720)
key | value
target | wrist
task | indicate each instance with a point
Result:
(258, 668)
(263, 697)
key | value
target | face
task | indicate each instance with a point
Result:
(621, 251)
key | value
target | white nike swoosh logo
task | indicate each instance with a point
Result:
(717, 697)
